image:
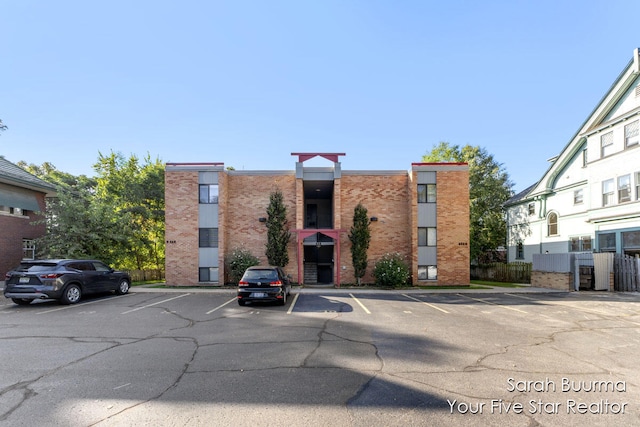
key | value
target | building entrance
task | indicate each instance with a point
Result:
(318, 263)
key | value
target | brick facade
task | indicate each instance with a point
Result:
(389, 196)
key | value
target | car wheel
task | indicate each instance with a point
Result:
(123, 287)
(283, 301)
(71, 295)
(22, 301)
(242, 302)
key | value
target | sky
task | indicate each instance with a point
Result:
(249, 82)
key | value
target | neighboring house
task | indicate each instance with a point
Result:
(423, 214)
(22, 202)
(589, 198)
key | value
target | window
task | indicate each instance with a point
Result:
(637, 185)
(520, 251)
(208, 238)
(427, 272)
(208, 274)
(208, 193)
(631, 136)
(580, 244)
(606, 144)
(624, 188)
(578, 197)
(427, 236)
(426, 193)
(584, 158)
(532, 208)
(28, 249)
(552, 224)
(607, 242)
(607, 192)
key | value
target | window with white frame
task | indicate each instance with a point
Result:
(607, 192)
(208, 274)
(520, 250)
(552, 224)
(578, 197)
(208, 193)
(584, 158)
(606, 144)
(28, 249)
(631, 134)
(624, 188)
(532, 208)
(637, 185)
(208, 238)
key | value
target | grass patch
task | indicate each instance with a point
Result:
(497, 284)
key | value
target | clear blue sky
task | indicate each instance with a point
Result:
(248, 82)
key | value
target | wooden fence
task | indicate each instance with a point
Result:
(625, 270)
(513, 272)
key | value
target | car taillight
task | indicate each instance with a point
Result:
(241, 283)
(7, 276)
(276, 283)
(50, 276)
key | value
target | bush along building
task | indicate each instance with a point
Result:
(421, 214)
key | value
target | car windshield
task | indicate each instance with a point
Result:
(36, 268)
(260, 275)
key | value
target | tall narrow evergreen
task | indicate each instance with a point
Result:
(360, 237)
(278, 234)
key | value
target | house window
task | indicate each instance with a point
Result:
(532, 208)
(606, 144)
(580, 244)
(624, 188)
(28, 249)
(552, 224)
(607, 242)
(427, 272)
(520, 251)
(208, 274)
(208, 238)
(637, 185)
(607, 192)
(631, 136)
(584, 158)
(578, 197)
(426, 236)
(208, 193)
(426, 193)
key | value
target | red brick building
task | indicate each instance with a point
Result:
(22, 201)
(422, 214)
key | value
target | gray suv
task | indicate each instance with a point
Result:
(65, 280)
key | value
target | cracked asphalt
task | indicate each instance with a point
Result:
(329, 357)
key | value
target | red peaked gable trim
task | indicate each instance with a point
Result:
(332, 157)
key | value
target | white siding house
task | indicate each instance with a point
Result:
(589, 198)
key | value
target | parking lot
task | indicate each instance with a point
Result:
(328, 357)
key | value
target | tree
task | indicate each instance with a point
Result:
(2, 126)
(360, 237)
(489, 188)
(278, 234)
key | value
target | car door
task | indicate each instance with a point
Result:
(107, 281)
(90, 277)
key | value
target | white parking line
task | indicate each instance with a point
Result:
(426, 303)
(293, 303)
(361, 304)
(493, 303)
(222, 305)
(82, 304)
(155, 303)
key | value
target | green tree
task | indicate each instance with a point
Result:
(489, 188)
(360, 237)
(135, 191)
(278, 234)
(2, 126)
